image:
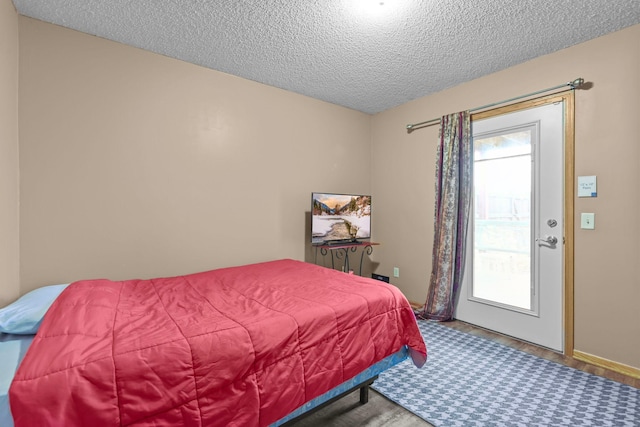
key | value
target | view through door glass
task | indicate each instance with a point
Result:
(502, 219)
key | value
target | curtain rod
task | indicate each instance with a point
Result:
(574, 84)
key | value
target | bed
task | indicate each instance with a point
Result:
(255, 345)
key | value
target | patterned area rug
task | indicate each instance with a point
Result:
(471, 381)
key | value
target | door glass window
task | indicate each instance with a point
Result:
(502, 219)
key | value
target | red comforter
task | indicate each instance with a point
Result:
(240, 346)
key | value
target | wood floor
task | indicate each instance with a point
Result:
(381, 412)
(349, 412)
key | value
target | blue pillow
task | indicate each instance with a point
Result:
(24, 316)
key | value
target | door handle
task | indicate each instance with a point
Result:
(550, 240)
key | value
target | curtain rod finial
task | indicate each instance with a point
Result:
(409, 128)
(576, 83)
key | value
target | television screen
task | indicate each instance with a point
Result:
(337, 218)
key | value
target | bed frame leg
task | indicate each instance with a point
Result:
(364, 394)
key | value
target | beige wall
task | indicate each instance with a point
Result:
(9, 244)
(137, 165)
(607, 259)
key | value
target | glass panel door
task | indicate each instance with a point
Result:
(513, 279)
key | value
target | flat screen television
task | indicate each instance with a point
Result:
(340, 218)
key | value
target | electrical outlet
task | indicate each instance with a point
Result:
(396, 272)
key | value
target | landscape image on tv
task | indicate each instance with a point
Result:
(340, 217)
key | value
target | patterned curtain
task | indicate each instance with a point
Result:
(453, 200)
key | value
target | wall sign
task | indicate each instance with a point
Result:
(587, 186)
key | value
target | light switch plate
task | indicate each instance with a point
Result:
(588, 221)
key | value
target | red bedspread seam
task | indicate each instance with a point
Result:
(61, 370)
(68, 334)
(88, 304)
(113, 358)
(193, 367)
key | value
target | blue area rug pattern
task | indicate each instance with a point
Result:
(470, 381)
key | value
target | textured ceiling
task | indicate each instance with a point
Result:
(355, 53)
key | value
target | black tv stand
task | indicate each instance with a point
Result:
(341, 250)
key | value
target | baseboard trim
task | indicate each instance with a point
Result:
(620, 368)
(415, 305)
